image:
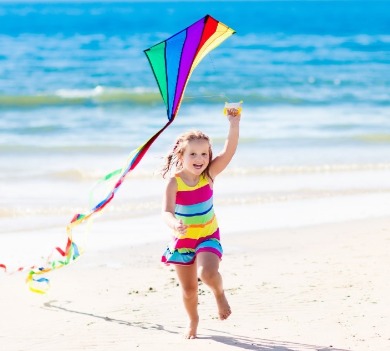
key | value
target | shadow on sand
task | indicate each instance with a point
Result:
(239, 341)
(251, 343)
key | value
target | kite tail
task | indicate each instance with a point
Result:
(35, 279)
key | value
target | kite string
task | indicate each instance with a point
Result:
(206, 96)
(210, 57)
(221, 95)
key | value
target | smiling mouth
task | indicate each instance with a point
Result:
(198, 166)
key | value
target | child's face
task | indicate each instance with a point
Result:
(196, 156)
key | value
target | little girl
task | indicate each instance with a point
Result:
(188, 210)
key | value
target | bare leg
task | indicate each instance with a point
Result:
(208, 271)
(189, 283)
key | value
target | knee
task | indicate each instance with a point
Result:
(206, 275)
(189, 291)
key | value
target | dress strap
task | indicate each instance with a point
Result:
(181, 186)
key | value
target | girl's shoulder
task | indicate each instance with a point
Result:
(209, 181)
(172, 184)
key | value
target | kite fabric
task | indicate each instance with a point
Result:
(172, 62)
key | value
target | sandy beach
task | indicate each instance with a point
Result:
(318, 287)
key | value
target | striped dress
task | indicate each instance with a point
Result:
(194, 206)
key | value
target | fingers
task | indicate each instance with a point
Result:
(232, 112)
(180, 227)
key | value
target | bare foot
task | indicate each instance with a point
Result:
(224, 310)
(192, 328)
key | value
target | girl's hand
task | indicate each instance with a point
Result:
(180, 227)
(233, 115)
(233, 112)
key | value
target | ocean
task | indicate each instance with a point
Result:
(77, 95)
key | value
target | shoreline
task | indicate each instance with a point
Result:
(244, 202)
(52, 202)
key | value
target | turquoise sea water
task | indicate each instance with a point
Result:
(74, 75)
(77, 93)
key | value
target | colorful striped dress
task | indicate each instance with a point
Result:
(194, 206)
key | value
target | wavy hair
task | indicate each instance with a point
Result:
(173, 159)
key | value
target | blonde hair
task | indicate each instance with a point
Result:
(174, 157)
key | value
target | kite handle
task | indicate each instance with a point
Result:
(235, 105)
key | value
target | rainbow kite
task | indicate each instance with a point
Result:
(172, 61)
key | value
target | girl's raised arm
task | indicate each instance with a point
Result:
(225, 156)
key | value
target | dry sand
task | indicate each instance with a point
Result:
(322, 287)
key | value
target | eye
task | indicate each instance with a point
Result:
(204, 154)
(192, 153)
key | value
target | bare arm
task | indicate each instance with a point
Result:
(225, 156)
(168, 208)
